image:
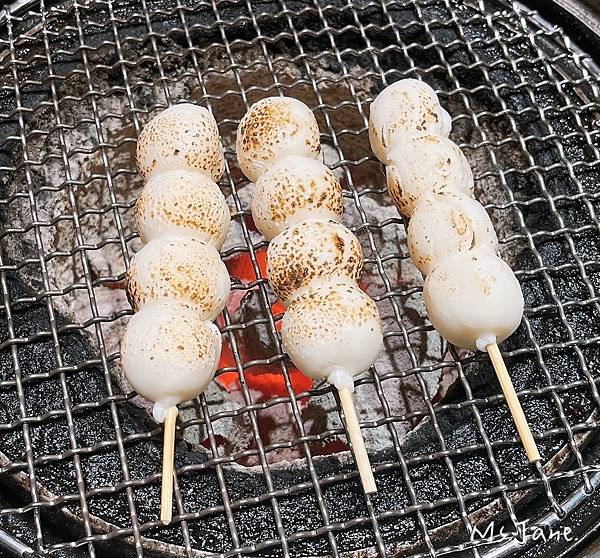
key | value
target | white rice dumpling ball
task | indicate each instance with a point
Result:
(425, 164)
(182, 203)
(473, 300)
(169, 354)
(312, 251)
(447, 223)
(274, 128)
(293, 190)
(182, 137)
(182, 269)
(405, 107)
(332, 329)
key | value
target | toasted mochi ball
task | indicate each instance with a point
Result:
(182, 137)
(426, 164)
(473, 299)
(182, 203)
(293, 190)
(169, 355)
(406, 106)
(274, 128)
(332, 329)
(309, 251)
(447, 223)
(182, 269)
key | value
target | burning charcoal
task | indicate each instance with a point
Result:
(256, 341)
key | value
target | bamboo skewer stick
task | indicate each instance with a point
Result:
(357, 442)
(514, 405)
(166, 493)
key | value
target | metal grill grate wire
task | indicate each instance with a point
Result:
(75, 24)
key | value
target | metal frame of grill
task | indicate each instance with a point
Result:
(23, 26)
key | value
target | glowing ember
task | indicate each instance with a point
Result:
(267, 379)
(241, 267)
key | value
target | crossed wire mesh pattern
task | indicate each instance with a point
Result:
(74, 75)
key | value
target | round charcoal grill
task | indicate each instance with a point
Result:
(262, 462)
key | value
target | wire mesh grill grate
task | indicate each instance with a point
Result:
(77, 83)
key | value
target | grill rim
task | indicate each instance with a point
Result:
(579, 16)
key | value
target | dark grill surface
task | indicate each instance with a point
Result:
(79, 455)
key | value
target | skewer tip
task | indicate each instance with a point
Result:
(166, 494)
(358, 444)
(531, 449)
